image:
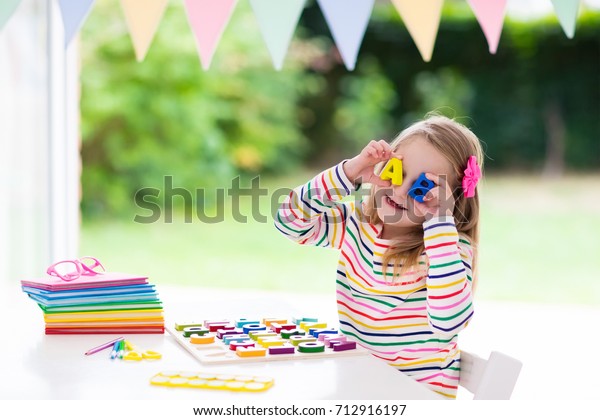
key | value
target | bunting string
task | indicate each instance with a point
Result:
(277, 21)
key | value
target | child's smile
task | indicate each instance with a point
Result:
(393, 203)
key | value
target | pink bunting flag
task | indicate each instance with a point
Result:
(490, 15)
(208, 19)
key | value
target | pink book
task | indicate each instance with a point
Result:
(52, 283)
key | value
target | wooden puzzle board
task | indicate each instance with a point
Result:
(219, 353)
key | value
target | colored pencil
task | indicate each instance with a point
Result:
(103, 346)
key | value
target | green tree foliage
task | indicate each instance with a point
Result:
(166, 116)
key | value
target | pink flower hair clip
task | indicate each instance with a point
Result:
(472, 177)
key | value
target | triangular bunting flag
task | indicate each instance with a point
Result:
(490, 15)
(208, 19)
(566, 11)
(7, 8)
(348, 22)
(277, 21)
(74, 13)
(422, 19)
(143, 18)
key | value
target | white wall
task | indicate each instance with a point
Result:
(39, 143)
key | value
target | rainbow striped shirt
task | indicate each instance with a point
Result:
(413, 323)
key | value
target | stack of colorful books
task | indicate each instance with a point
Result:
(103, 303)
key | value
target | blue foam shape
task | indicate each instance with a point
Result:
(420, 187)
(253, 327)
(315, 332)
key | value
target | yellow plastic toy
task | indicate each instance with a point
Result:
(250, 351)
(134, 354)
(202, 339)
(151, 355)
(392, 171)
(206, 380)
(306, 326)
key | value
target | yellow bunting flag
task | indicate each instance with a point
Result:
(143, 18)
(422, 19)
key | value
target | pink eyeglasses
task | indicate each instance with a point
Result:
(69, 270)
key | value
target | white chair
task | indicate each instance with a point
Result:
(491, 379)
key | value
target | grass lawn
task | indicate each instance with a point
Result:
(540, 241)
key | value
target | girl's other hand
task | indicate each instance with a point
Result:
(438, 201)
(360, 169)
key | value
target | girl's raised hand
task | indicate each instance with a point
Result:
(360, 169)
(439, 201)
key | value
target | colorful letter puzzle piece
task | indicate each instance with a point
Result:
(202, 339)
(420, 188)
(392, 171)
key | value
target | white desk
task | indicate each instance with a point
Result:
(37, 366)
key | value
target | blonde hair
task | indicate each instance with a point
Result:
(456, 143)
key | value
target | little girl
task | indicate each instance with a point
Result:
(406, 269)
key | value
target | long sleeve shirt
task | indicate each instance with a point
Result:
(411, 323)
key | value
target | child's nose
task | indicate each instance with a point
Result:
(401, 190)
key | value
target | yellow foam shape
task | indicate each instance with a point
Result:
(203, 339)
(204, 380)
(151, 355)
(270, 343)
(308, 325)
(255, 387)
(216, 384)
(197, 383)
(261, 339)
(250, 352)
(392, 171)
(177, 381)
(133, 356)
(257, 334)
